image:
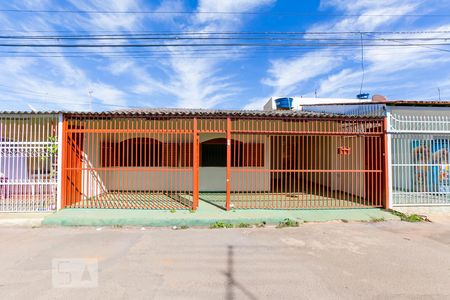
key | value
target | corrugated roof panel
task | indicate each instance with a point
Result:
(189, 112)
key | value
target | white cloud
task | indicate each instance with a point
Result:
(120, 67)
(392, 70)
(199, 82)
(365, 5)
(62, 87)
(286, 74)
(367, 15)
(169, 6)
(227, 7)
(386, 69)
(205, 81)
(256, 103)
(190, 82)
(54, 82)
(109, 21)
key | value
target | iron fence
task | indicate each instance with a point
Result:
(307, 163)
(173, 163)
(420, 159)
(28, 162)
(126, 162)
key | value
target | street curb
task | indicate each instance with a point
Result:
(21, 222)
(161, 223)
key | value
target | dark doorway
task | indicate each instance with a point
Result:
(214, 153)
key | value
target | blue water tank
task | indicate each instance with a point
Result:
(283, 103)
(363, 96)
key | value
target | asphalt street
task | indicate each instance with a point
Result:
(314, 261)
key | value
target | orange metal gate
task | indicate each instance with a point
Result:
(292, 163)
(172, 163)
(128, 162)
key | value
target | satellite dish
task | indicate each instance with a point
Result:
(379, 98)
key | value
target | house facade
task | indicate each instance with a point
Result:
(29, 161)
(175, 159)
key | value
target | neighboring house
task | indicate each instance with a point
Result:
(28, 161)
(419, 145)
(298, 102)
(175, 158)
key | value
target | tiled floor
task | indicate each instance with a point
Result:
(28, 203)
(136, 200)
(280, 200)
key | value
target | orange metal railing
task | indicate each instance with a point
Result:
(172, 163)
(295, 163)
(143, 163)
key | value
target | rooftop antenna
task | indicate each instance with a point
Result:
(439, 92)
(32, 108)
(362, 63)
(362, 95)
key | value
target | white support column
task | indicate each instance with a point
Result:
(389, 157)
(60, 155)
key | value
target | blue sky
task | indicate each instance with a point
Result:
(229, 79)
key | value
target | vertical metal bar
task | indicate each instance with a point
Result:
(59, 162)
(96, 170)
(63, 166)
(30, 199)
(389, 155)
(310, 167)
(195, 182)
(228, 175)
(387, 165)
(2, 155)
(85, 170)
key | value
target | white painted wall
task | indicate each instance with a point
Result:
(325, 157)
(297, 101)
(419, 110)
(211, 178)
(214, 178)
(92, 181)
(352, 183)
(98, 182)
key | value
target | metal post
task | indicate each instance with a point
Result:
(195, 181)
(388, 154)
(228, 188)
(63, 165)
(60, 155)
(387, 165)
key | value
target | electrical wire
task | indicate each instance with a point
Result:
(208, 45)
(232, 33)
(130, 33)
(261, 39)
(272, 13)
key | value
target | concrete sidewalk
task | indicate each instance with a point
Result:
(22, 219)
(436, 214)
(206, 215)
